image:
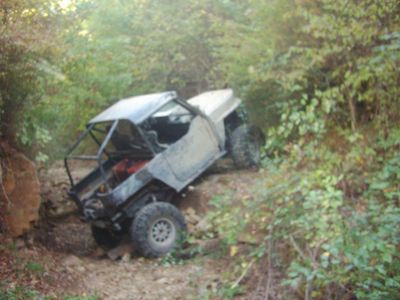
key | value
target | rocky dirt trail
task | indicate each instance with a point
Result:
(117, 274)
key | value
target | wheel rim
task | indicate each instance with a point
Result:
(162, 233)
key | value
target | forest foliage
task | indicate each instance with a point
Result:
(320, 77)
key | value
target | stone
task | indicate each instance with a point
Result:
(190, 211)
(191, 217)
(19, 243)
(126, 257)
(202, 226)
(21, 192)
(72, 261)
(99, 253)
(80, 269)
(163, 280)
(120, 251)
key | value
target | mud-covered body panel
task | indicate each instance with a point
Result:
(176, 166)
(216, 104)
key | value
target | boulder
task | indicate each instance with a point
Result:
(122, 251)
(20, 191)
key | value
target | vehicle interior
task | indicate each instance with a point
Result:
(170, 123)
(126, 152)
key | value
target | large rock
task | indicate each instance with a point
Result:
(20, 191)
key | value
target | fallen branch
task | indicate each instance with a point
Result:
(258, 289)
(308, 290)
(269, 260)
(244, 273)
(297, 248)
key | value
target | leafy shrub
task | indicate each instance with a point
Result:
(335, 212)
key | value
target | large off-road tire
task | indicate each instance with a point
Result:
(244, 146)
(105, 237)
(157, 229)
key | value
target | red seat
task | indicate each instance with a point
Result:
(127, 167)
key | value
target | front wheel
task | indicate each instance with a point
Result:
(245, 143)
(157, 229)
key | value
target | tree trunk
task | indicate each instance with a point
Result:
(353, 114)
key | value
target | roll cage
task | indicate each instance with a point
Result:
(148, 149)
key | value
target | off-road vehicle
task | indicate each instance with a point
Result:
(147, 150)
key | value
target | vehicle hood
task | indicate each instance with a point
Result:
(216, 104)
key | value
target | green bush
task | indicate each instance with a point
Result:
(336, 213)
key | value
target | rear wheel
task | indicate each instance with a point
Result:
(245, 144)
(157, 229)
(105, 237)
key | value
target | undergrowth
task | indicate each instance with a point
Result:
(329, 218)
(27, 293)
(31, 277)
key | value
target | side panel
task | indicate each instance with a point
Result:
(194, 151)
(129, 187)
(178, 165)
